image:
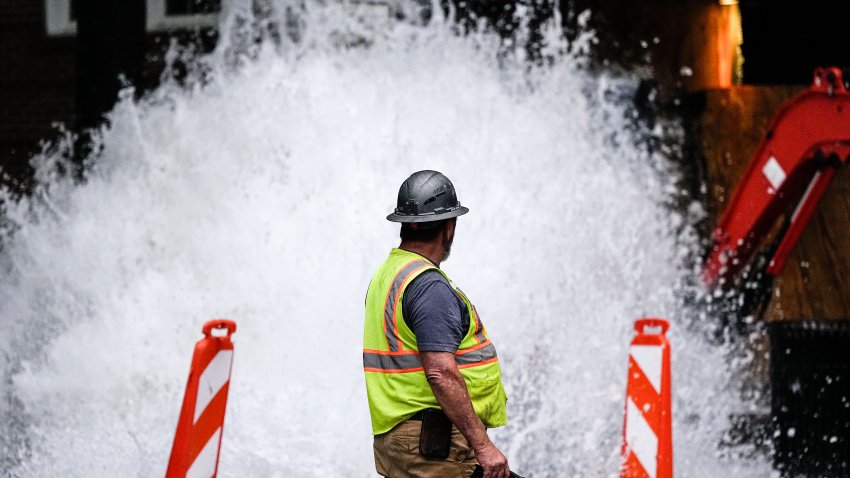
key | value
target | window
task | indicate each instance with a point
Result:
(162, 15)
(59, 17)
(182, 14)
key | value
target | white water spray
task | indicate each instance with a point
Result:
(260, 197)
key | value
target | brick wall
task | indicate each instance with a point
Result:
(37, 75)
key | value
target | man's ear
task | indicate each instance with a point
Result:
(450, 227)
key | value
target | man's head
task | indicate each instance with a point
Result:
(437, 234)
(427, 209)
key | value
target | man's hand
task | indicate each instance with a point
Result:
(493, 461)
(450, 390)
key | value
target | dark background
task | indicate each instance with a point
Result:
(71, 78)
(53, 82)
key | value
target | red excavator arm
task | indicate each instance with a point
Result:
(807, 141)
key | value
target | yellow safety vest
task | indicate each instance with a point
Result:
(395, 380)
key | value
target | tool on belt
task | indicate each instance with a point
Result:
(435, 439)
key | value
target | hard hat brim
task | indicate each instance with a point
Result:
(396, 217)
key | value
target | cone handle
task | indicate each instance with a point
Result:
(220, 324)
(659, 323)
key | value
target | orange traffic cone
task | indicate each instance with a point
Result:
(647, 429)
(198, 438)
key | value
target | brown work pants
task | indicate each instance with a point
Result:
(397, 455)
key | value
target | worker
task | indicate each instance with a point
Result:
(432, 375)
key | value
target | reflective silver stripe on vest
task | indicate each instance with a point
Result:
(479, 327)
(411, 362)
(391, 362)
(389, 306)
(483, 354)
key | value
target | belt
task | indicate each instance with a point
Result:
(417, 416)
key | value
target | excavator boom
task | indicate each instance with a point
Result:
(807, 140)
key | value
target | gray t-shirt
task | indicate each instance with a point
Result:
(435, 313)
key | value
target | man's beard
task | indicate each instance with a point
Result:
(447, 245)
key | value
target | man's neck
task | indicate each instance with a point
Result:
(430, 251)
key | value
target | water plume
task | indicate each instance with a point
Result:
(255, 189)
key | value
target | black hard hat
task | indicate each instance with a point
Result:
(426, 196)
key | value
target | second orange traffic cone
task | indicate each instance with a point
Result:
(647, 428)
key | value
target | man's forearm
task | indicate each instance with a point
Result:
(450, 389)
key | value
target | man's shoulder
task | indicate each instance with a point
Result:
(430, 275)
(426, 283)
(432, 289)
